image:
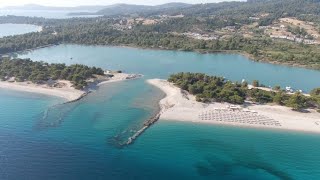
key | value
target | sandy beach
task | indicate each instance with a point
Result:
(40, 29)
(66, 91)
(182, 106)
(120, 77)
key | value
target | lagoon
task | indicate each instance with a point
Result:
(81, 145)
(160, 64)
(17, 29)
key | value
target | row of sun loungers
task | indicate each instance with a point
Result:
(238, 116)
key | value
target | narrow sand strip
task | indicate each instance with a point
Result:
(120, 77)
(66, 92)
(181, 106)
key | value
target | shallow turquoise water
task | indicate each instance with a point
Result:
(16, 29)
(79, 148)
(82, 145)
(160, 64)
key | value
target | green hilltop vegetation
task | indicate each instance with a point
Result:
(229, 9)
(168, 32)
(40, 72)
(127, 9)
(264, 49)
(212, 88)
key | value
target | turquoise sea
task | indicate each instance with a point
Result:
(79, 140)
(160, 64)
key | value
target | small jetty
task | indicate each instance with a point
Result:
(146, 125)
(79, 98)
(121, 143)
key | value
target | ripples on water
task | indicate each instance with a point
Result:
(146, 100)
(54, 116)
(79, 146)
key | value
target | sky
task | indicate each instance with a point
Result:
(4, 3)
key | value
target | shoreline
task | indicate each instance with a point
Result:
(199, 51)
(233, 52)
(179, 105)
(66, 92)
(120, 77)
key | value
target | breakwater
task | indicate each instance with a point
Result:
(79, 98)
(146, 125)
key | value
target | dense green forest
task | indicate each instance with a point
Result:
(102, 34)
(228, 9)
(213, 88)
(167, 33)
(39, 72)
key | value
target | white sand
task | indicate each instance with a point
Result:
(40, 29)
(120, 77)
(67, 92)
(181, 106)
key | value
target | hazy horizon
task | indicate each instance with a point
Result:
(73, 3)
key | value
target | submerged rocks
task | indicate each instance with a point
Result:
(146, 125)
(134, 76)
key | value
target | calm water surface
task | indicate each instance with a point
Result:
(160, 64)
(81, 145)
(16, 29)
(42, 13)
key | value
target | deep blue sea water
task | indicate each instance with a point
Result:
(81, 145)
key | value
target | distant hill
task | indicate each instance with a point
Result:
(115, 9)
(111, 10)
(36, 7)
(127, 9)
(173, 5)
(122, 9)
(234, 10)
(289, 7)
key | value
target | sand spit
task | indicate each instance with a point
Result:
(180, 105)
(64, 88)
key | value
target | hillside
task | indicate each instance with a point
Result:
(228, 9)
(130, 9)
(281, 32)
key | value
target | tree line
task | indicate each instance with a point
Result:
(100, 31)
(103, 34)
(218, 89)
(40, 72)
